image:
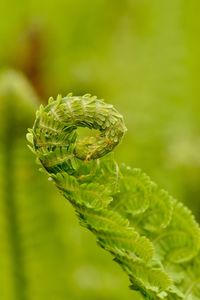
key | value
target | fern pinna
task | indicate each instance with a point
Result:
(154, 238)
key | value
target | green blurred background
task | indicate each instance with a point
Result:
(143, 57)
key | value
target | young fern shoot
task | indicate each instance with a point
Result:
(154, 238)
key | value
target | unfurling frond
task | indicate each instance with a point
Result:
(154, 238)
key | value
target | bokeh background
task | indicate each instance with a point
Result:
(143, 57)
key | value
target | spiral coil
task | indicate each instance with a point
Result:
(153, 237)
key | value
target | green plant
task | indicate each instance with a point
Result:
(18, 102)
(154, 238)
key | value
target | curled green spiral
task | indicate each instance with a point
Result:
(154, 238)
(65, 116)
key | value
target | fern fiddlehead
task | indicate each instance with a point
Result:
(153, 237)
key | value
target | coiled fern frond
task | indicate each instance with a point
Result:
(154, 238)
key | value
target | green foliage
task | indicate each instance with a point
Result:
(154, 238)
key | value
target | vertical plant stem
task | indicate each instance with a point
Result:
(11, 207)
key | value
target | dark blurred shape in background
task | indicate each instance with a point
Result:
(142, 56)
(30, 54)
